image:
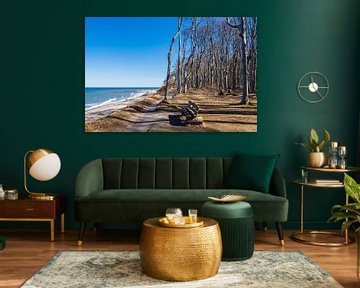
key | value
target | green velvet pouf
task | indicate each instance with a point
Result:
(236, 221)
(2, 242)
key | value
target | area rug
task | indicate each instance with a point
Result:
(80, 269)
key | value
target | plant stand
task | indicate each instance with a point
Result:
(297, 235)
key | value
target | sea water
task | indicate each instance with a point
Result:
(96, 97)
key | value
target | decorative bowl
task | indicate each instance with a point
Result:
(188, 224)
(228, 198)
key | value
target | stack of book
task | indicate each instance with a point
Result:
(327, 181)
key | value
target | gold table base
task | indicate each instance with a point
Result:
(180, 254)
(295, 237)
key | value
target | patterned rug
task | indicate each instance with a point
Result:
(80, 269)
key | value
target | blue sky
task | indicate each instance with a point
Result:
(127, 51)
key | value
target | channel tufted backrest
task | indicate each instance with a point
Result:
(164, 173)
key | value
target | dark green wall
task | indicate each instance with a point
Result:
(42, 88)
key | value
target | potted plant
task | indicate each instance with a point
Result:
(350, 214)
(317, 157)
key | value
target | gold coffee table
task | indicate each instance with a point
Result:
(180, 254)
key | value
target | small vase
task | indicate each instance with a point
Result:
(317, 159)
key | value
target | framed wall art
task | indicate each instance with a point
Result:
(171, 74)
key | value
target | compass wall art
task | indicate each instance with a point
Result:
(313, 87)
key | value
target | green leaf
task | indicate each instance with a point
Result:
(346, 225)
(326, 136)
(352, 188)
(337, 206)
(321, 146)
(313, 145)
(314, 135)
(336, 216)
(350, 207)
(306, 146)
(312, 142)
(353, 210)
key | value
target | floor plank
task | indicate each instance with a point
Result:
(28, 250)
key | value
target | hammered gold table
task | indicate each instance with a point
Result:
(180, 254)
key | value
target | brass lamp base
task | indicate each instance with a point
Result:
(41, 196)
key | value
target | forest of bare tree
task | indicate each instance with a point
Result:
(210, 83)
(216, 53)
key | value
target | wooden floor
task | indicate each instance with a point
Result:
(28, 250)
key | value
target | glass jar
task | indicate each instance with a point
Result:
(342, 154)
(333, 161)
(11, 194)
(304, 176)
(174, 215)
(2, 192)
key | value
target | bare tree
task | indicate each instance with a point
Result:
(252, 47)
(188, 67)
(215, 53)
(179, 66)
(180, 21)
(241, 27)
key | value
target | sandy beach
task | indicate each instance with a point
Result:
(151, 114)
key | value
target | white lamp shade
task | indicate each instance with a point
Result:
(46, 168)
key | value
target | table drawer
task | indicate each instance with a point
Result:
(28, 209)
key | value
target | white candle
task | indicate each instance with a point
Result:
(342, 149)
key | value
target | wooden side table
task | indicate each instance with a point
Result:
(26, 209)
(297, 235)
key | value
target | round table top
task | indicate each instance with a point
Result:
(337, 170)
(154, 223)
(314, 184)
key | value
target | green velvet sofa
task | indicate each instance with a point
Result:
(130, 190)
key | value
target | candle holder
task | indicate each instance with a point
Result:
(342, 154)
(333, 162)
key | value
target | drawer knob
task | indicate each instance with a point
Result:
(29, 209)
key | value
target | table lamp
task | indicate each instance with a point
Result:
(43, 165)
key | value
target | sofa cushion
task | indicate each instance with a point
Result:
(164, 173)
(251, 172)
(266, 207)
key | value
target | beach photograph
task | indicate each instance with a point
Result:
(171, 74)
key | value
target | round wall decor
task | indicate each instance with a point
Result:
(313, 87)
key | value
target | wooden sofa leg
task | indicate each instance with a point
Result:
(95, 228)
(280, 233)
(265, 227)
(81, 233)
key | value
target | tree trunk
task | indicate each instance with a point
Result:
(169, 57)
(179, 59)
(234, 75)
(241, 27)
(244, 57)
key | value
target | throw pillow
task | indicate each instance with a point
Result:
(251, 172)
